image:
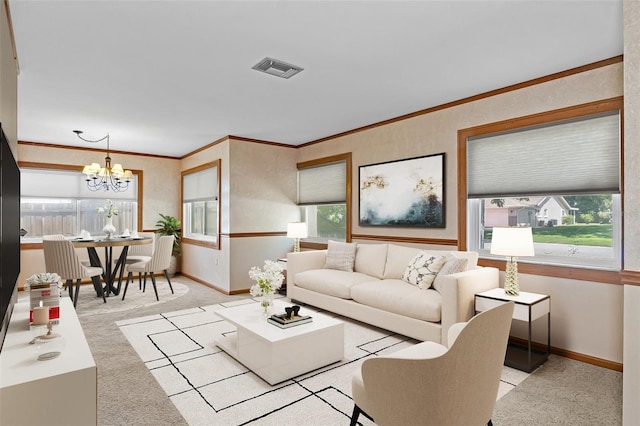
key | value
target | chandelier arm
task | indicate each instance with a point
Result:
(79, 133)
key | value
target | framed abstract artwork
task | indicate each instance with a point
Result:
(404, 193)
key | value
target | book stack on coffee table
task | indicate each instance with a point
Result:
(286, 321)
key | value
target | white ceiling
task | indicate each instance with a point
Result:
(168, 77)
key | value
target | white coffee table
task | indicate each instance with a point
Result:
(277, 354)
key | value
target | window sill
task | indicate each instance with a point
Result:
(556, 271)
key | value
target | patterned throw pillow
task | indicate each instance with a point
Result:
(452, 266)
(422, 269)
(341, 256)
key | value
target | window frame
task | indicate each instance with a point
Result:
(204, 242)
(67, 167)
(549, 117)
(313, 243)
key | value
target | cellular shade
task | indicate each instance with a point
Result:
(572, 157)
(325, 184)
(66, 184)
(200, 185)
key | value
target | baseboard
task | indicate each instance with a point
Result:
(599, 362)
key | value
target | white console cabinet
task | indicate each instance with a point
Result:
(59, 391)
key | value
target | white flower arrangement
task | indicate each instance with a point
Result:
(109, 209)
(268, 280)
(43, 278)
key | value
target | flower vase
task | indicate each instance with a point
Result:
(109, 229)
(267, 303)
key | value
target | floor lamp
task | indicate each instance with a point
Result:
(512, 241)
(297, 230)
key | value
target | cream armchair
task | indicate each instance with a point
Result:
(430, 384)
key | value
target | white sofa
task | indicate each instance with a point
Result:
(375, 293)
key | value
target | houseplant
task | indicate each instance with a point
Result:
(169, 225)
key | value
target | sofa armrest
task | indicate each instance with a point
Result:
(304, 261)
(458, 295)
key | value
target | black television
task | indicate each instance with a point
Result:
(9, 231)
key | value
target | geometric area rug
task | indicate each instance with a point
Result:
(209, 387)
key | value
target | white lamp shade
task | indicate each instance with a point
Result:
(297, 230)
(514, 241)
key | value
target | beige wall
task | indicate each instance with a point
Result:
(573, 302)
(263, 187)
(631, 380)
(258, 195)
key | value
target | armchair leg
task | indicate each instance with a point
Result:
(355, 415)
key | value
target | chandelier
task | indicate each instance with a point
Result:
(105, 178)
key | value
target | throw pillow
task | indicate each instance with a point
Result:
(422, 269)
(340, 256)
(452, 266)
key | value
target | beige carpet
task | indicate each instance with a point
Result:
(208, 387)
(90, 304)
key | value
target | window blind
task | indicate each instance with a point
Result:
(200, 185)
(67, 184)
(571, 157)
(325, 184)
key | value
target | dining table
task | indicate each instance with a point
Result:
(110, 271)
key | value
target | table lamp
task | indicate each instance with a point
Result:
(297, 230)
(512, 241)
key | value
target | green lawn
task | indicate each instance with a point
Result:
(580, 235)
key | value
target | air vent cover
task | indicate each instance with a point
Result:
(277, 68)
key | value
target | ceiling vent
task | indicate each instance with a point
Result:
(277, 68)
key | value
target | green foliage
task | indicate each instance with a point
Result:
(567, 220)
(591, 208)
(332, 221)
(169, 225)
(585, 218)
(579, 235)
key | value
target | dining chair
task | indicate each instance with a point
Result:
(160, 261)
(431, 384)
(60, 257)
(58, 237)
(140, 253)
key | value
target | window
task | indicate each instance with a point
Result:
(200, 203)
(323, 191)
(57, 201)
(561, 177)
(587, 237)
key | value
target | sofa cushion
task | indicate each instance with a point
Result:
(340, 256)
(331, 281)
(452, 266)
(398, 257)
(471, 256)
(401, 298)
(370, 259)
(422, 269)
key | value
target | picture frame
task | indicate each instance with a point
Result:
(403, 193)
